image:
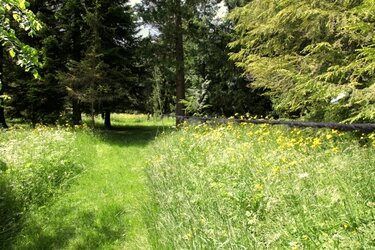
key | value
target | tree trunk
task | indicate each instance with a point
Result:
(76, 56)
(92, 115)
(77, 114)
(2, 90)
(180, 71)
(107, 119)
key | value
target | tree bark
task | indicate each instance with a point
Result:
(92, 115)
(180, 71)
(76, 56)
(77, 114)
(107, 119)
(2, 88)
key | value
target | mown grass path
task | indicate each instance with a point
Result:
(104, 207)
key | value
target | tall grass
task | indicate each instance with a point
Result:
(102, 209)
(36, 165)
(260, 187)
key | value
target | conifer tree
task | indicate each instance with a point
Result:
(316, 58)
(102, 74)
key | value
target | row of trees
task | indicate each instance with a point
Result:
(94, 62)
(192, 42)
(312, 59)
(78, 44)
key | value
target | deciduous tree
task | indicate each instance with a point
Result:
(15, 13)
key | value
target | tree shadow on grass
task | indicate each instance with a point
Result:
(131, 135)
(72, 227)
(10, 210)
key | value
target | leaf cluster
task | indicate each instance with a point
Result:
(15, 13)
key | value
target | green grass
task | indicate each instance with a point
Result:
(103, 207)
(260, 187)
(201, 187)
(36, 166)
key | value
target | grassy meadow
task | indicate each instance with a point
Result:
(146, 185)
(261, 187)
(74, 188)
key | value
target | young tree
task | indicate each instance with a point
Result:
(16, 12)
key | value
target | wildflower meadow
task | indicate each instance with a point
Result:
(147, 185)
(261, 187)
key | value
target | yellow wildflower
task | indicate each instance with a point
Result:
(275, 170)
(316, 142)
(258, 187)
(335, 132)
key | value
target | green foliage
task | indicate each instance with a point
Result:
(37, 100)
(101, 74)
(216, 86)
(88, 59)
(15, 11)
(261, 187)
(307, 53)
(156, 74)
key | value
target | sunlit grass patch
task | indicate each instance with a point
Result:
(247, 186)
(102, 209)
(127, 119)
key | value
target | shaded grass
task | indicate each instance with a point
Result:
(103, 208)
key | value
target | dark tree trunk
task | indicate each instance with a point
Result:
(180, 71)
(2, 115)
(2, 88)
(77, 114)
(107, 119)
(76, 56)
